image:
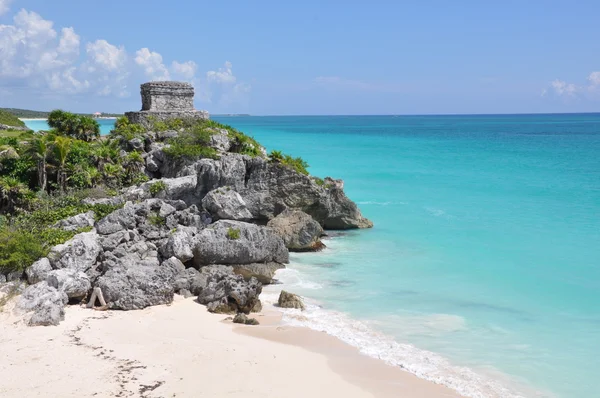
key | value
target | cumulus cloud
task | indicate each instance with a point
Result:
(222, 75)
(36, 56)
(4, 6)
(594, 79)
(563, 88)
(184, 70)
(152, 63)
(221, 86)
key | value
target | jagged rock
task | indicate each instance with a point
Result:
(166, 210)
(75, 284)
(236, 242)
(2, 278)
(185, 293)
(264, 272)
(244, 320)
(14, 276)
(112, 201)
(299, 231)
(46, 302)
(269, 188)
(135, 287)
(179, 245)
(227, 293)
(136, 144)
(225, 203)
(83, 220)
(79, 253)
(38, 271)
(165, 135)
(220, 140)
(174, 266)
(117, 221)
(112, 241)
(290, 300)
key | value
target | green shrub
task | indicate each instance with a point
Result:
(157, 188)
(76, 126)
(319, 181)
(191, 144)
(126, 129)
(156, 219)
(233, 233)
(19, 249)
(297, 164)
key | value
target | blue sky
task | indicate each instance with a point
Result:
(308, 57)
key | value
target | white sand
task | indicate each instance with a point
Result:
(183, 351)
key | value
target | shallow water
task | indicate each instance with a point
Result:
(483, 269)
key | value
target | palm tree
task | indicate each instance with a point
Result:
(62, 146)
(39, 149)
(86, 128)
(112, 174)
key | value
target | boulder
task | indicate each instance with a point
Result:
(244, 320)
(83, 220)
(173, 266)
(38, 271)
(118, 220)
(179, 245)
(225, 203)
(230, 294)
(299, 231)
(290, 300)
(79, 253)
(220, 140)
(134, 286)
(75, 284)
(46, 302)
(236, 242)
(264, 272)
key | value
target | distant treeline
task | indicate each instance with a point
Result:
(29, 114)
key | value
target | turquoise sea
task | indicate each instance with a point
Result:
(483, 269)
(39, 124)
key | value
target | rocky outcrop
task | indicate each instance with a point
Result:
(225, 203)
(228, 293)
(38, 271)
(236, 242)
(45, 302)
(83, 220)
(299, 231)
(136, 286)
(290, 300)
(263, 272)
(75, 284)
(79, 253)
(244, 320)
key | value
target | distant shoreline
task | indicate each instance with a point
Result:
(23, 119)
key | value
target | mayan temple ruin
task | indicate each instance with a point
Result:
(166, 100)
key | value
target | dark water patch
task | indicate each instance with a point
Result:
(342, 283)
(328, 265)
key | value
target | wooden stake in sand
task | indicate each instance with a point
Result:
(97, 294)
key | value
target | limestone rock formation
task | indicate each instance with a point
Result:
(38, 271)
(244, 320)
(299, 231)
(236, 242)
(227, 293)
(225, 203)
(263, 272)
(83, 220)
(290, 300)
(46, 303)
(75, 284)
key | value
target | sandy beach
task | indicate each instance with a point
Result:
(181, 350)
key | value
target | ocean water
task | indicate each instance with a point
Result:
(483, 270)
(39, 124)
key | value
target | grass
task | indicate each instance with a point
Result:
(10, 120)
(233, 233)
(157, 188)
(156, 220)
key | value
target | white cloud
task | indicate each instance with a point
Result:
(4, 6)
(185, 70)
(36, 56)
(563, 88)
(594, 79)
(222, 75)
(106, 56)
(152, 63)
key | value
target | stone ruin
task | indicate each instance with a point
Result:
(166, 100)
